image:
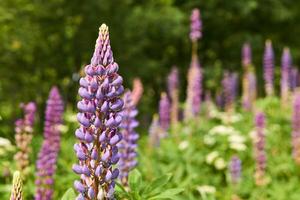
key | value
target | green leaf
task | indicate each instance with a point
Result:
(157, 184)
(135, 179)
(69, 195)
(168, 194)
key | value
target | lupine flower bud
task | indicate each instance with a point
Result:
(137, 91)
(269, 68)
(194, 89)
(164, 112)
(286, 62)
(173, 90)
(128, 146)
(235, 169)
(260, 154)
(24, 130)
(99, 118)
(296, 128)
(246, 55)
(196, 25)
(17, 187)
(294, 77)
(155, 132)
(46, 163)
(230, 84)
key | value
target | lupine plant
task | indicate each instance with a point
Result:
(246, 55)
(17, 187)
(194, 88)
(24, 131)
(137, 90)
(296, 128)
(46, 163)
(155, 132)
(286, 62)
(260, 153)
(164, 112)
(173, 91)
(128, 145)
(235, 169)
(294, 78)
(229, 83)
(268, 62)
(99, 119)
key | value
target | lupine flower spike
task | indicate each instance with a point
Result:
(194, 88)
(269, 68)
(260, 154)
(128, 145)
(286, 62)
(246, 56)
(137, 91)
(46, 163)
(164, 112)
(17, 187)
(100, 119)
(296, 128)
(235, 169)
(173, 90)
(24, 131)
(294, 77)
(155, 132)
(229, 83)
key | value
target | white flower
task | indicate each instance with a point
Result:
(223, 130)
(220, 163)
(236, 138)
(4, 142)
(209, 140)
(63, 128)
(183, 145)
(238, 146)
(211, 157)
(206, 189)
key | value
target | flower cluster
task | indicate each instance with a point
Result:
(230, 84)
(235, 169)
(196, 25)
(137, 91)
(164, 112)
(249, 90)
(155, 132)
(46, 163)
(286, 62)
(269, 68)
(99, 119)
(260, 154)
(194, 89)
(24, 130)
(128, 145)
(296, 128)
(17, 187)
(173, 90)
(294, 79)
(246, 55)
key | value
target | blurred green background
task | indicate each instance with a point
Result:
(43, 43)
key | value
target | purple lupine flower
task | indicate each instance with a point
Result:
(128, 146)
(164, 111)
(46, 163)
(155, 132)
(296, 128)
(249, 90)
(286, 62)
(260, 154)
(173, 90)
(137, 90)
(269, 68)
(196, 25)
(294, 76)
(230, 84)
(194, 89)
(219, 98)
(235, 169)
(246, 55)
(99, 118)
(24, 131)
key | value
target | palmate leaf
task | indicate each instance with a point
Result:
(69, 195)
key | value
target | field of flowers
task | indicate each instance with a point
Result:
(211, 146)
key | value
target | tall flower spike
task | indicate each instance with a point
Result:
(128, 146)
(249, 90)
(24, 131)
(155, 132)
(235, 169)
(286, 62)
(194, 89)
(173, 90)
(164, 112)
(137, 91)
(260, 154)
(100, 119)
(17, 187)
(246, 55)
(46, 163)
(230, 83)
(296, 128)
(196, 25)
(294, 76)
(269, 68)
